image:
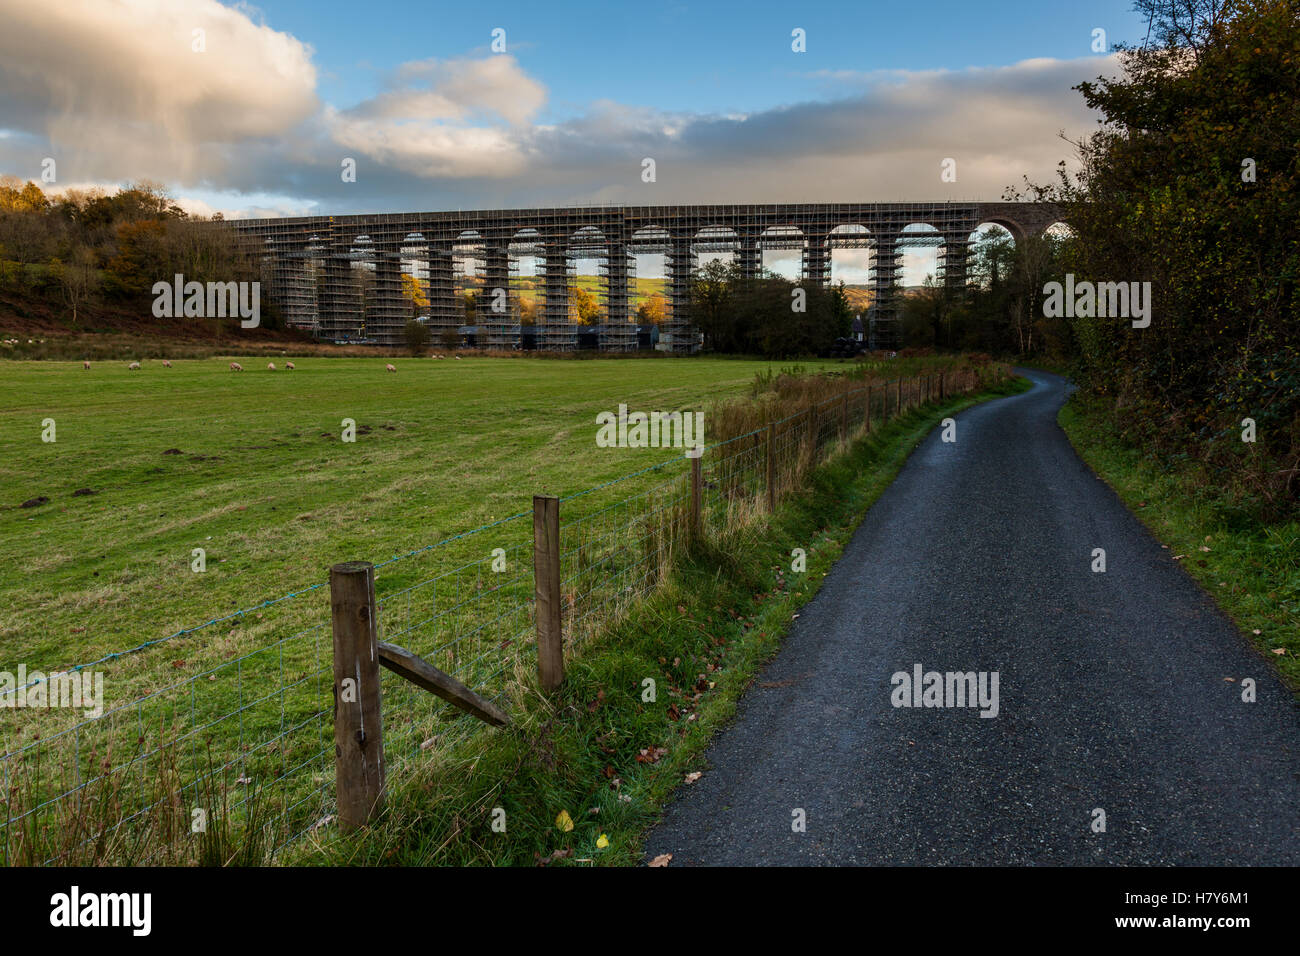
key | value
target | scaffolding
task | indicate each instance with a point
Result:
(341, 275)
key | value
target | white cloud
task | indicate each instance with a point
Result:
(118, 91)
(113, 91)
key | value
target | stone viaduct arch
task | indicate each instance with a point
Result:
(310, 263)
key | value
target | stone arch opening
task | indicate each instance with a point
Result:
(919, 245)
(781, 251)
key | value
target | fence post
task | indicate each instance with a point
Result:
(695, 498)
(844, 417)
(546, 590)
(900, 395)
(867, 423)
(358, 720)
(941, 392)
(771, 468)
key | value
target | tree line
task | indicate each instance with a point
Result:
(83, 246)
(1192, 183)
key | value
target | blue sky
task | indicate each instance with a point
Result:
(719, 57)
(282, 94)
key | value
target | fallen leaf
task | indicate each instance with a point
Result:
(663, 859)
(692, 777)
(564, 821)
(1279, 650)
(602, 841)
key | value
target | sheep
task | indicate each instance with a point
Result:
(270, 366)
(134, 367)
(85, 365)
(457, 357)
(236, 367)
(289, 366)
(391, 368)
(167, 363)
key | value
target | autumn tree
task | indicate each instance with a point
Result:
(587, 306)
(413, 292)
(653, 310)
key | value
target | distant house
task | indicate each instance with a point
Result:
(859, 332)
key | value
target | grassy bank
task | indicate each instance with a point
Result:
(579, 776)
(1251, 570)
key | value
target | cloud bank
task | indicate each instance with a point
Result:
(115, 91)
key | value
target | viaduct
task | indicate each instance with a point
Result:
(341, 276)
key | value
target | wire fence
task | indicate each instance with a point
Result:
(230, 757)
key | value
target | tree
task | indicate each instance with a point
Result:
(527, 310)
(414, 293)
(712, 304)
(653, 310)
(1191, 184)
(587, 306)
(417, 337)
(77, 280)
(141, 250)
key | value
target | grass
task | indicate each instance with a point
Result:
(597, 751)
(1251, 570)
(250, 468)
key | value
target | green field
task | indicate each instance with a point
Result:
(264, 484)
(251, 468)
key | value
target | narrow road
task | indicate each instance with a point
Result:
(1112, 689)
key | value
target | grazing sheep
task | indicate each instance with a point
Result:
(289, 366)
(236, 367)
(391, 368)
(167, 363)
(85, 365)
(457, 357)
(270, 366)
(134, 366)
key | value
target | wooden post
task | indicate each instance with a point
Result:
(695, 498)
(942, 394)
(771, 468)
(358, 721)
(868, 416)
(900, 395)
(844, 417)
(546, 590)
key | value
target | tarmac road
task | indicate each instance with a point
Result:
(1111, 687)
